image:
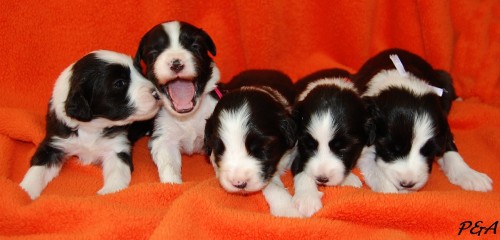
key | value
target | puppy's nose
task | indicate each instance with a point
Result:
(177, 66)
(240, 184)
(155, 94)
(407, 184)
(322, 179)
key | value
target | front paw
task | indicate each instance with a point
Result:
(384, 186)
(170, 177)
(308, 203)
(287, 210)
(352, 181)
(112, 188)
(472, 180)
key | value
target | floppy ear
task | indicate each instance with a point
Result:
(208, 134)
(209, 43)
(374, 116)
(138, 58)
(289, 129)
(77, 106)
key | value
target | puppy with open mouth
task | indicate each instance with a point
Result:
(175, 55)
(250, 136)
(94, 102)
(330, 117)
(408, 103)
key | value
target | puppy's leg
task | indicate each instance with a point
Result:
(45, 166)
(374, 177)
(352, 181)
(459, 173)
(307, 198)
(279, 199)
(117, 171)
(167, 158)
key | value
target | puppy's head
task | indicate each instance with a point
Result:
(104, 85)
(331, 118)
(175, 55)
(408, 132)
(246, 137)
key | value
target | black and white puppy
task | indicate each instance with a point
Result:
(175, 55)
(93, 102)
(250, 135)
(330, 117)
(408, 102)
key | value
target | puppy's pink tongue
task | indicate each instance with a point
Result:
(182, 94)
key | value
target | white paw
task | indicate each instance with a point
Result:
(472, 180)
(286, 210)
(352, 181)
(384, 186)
(170, 178)
(113, 186)
(169, 175)
(308, 203)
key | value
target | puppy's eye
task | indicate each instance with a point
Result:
(120, 83)
(308, 142)
(195, 46)
(151, 55)
(218, 146)
(338, 144)
(429, 149)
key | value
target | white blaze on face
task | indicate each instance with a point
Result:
(175, 51)
(236, 166)
(324, 163)
(413, 168)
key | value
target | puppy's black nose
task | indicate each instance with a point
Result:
(156, 95)
(322, 179)
(407, 184)
(241, 185)
(177, 66)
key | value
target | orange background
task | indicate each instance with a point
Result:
(40, 38)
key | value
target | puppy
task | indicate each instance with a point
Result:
(175, 56)
(408, 102)
(330, 117)
(93, 102)
(250, 135)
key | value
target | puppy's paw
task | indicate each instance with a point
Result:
(308, 203)
(286, 210)
(112, 187)
(352, 181)
(472, 180)
(384, 186)
(172, 179)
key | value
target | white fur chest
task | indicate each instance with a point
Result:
(186, 132)
(91, 146)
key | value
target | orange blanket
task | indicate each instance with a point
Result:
(40, 38)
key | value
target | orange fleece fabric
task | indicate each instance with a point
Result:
(41, 38)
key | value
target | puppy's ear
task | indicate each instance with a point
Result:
(289, 129)
(208, 134)
(373, 119)
(138, 58)
(445, 81)
(209, 43)
(77, 106)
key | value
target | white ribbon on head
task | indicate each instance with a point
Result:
(401, 70)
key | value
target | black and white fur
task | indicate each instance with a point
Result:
(175, 55)
(330, 117)
(408, 126)
(93, 102)
(250, 135)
